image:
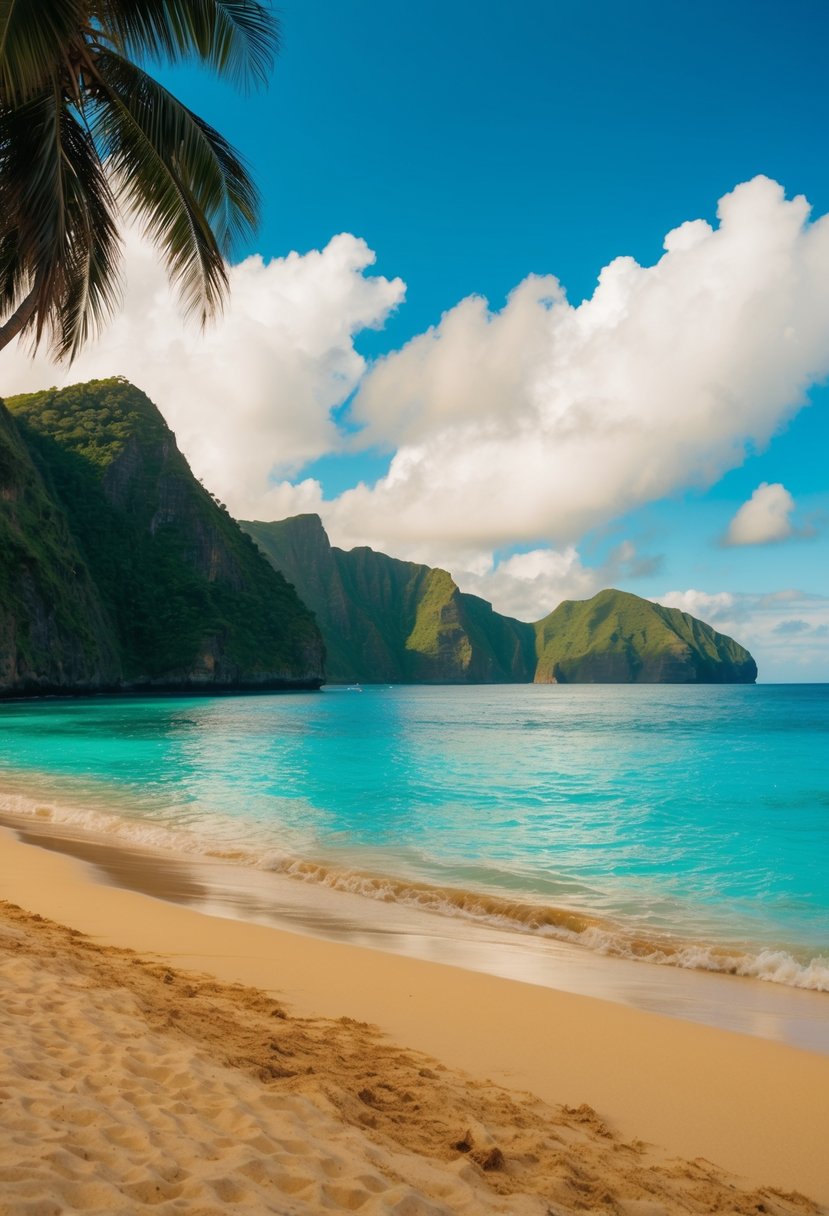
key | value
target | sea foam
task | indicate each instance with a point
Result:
(602, 935)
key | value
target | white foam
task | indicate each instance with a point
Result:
(500, 910)
(123, 829)
(774, 966)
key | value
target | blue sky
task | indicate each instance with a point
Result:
(469, 148)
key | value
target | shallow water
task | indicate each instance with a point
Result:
(686, 825)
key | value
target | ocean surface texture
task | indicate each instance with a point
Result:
(685, 825)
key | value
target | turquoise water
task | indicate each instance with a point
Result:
(688, 825)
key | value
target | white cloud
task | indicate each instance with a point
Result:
(529, 585)
(286, 498)
(528, 425)
(766, 517)
(544, 420)
(787, 631)
(253, 394)
(719, 606)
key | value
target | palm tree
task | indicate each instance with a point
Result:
(86, 136)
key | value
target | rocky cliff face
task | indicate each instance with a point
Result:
(120, 571)
(391, 621)
(384, 620)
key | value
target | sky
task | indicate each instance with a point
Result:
(538, 295)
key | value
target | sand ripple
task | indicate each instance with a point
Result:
(128, 1087)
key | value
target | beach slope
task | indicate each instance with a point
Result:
(158, 1080)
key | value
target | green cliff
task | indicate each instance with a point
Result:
(118, 570)
(386, 620)
(390, 621)
(618, 638)
(54, 631)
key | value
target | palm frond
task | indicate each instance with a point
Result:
(31, 196)
(58, 230)
(90, 270)
(212, 170)
(34, 40)
(75, 113)
(177, 175)
(14, 275)
(15, 278)
(237, 38)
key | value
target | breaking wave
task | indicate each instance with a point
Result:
(563, 924)
(602, 935)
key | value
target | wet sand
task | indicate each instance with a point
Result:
(214, 886)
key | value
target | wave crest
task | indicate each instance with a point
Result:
(563, 924)
(601, 935)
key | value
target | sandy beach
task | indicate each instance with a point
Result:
(227, 1066)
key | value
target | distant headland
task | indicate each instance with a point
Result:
(391, 621)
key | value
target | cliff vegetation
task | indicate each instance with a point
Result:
(386, 620)
(119, 570)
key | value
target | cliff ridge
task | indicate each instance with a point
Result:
(391, 621)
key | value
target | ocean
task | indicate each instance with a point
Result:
(681, 825)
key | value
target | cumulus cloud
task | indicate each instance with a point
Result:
(529, 585)
(712, 607)
(528, 425)
(765, 518)
(544, 420)
(251, 397)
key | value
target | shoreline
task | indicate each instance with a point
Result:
(222, 888)
(512, 915)
(222, 883)
(756, 1107)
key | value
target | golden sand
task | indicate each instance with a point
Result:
(131, 1083)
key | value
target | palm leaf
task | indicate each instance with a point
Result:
(177, 175)
(237, 38)
(69, 96)
(14, 268)
(91, 286)
(34, 40)
(58, 234)
(218, 178)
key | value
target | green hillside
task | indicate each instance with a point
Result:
(386, 620)
(391, 621)
(53, 626)
(119, 570)
(618, 638)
